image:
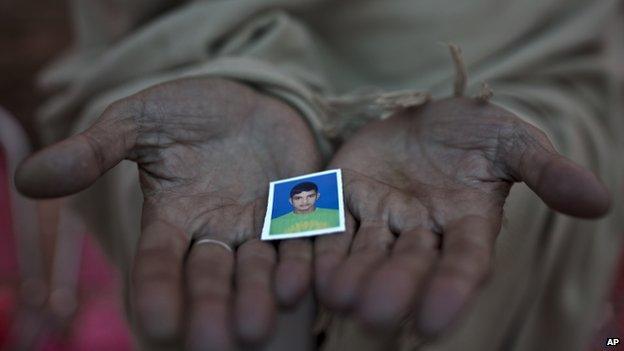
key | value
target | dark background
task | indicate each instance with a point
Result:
(32, 32)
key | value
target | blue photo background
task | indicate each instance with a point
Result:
(326, 183)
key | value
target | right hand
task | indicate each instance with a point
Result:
(206, 150)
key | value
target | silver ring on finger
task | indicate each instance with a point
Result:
(214, 242)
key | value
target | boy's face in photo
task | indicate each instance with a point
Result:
(305, 201)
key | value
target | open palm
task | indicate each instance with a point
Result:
(206, 149)
(424, 193)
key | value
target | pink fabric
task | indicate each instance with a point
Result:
(8, 260)
(99, 323)
(7, 306)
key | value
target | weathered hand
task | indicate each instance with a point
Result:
(206, 150)
(424, 193)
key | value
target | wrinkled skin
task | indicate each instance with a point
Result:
(206, 150)
(424, 193)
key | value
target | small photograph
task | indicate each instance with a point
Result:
(307, 205)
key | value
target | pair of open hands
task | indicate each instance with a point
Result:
(424, 192)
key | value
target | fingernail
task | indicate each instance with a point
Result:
(291, 283)
(382, 307)
(439, 308)
(254, 318)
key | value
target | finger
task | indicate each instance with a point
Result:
(466, 257)
(329, 251)
(77, 162)
(370, 245)
(157, 281)
(209, 270)
(559, 182)
(255, 306)
(389, 294)
(294, 271)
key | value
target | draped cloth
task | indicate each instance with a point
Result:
(549, 61)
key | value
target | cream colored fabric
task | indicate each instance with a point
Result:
(543, 59)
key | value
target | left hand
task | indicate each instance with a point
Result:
(424, 193)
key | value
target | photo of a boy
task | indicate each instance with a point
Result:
(305, 215)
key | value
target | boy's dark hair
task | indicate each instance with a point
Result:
(301, 187)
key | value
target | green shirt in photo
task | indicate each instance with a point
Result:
(321, 218)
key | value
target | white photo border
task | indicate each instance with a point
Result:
(269, 213)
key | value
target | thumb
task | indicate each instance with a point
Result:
(560, 183)
(73, 164)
